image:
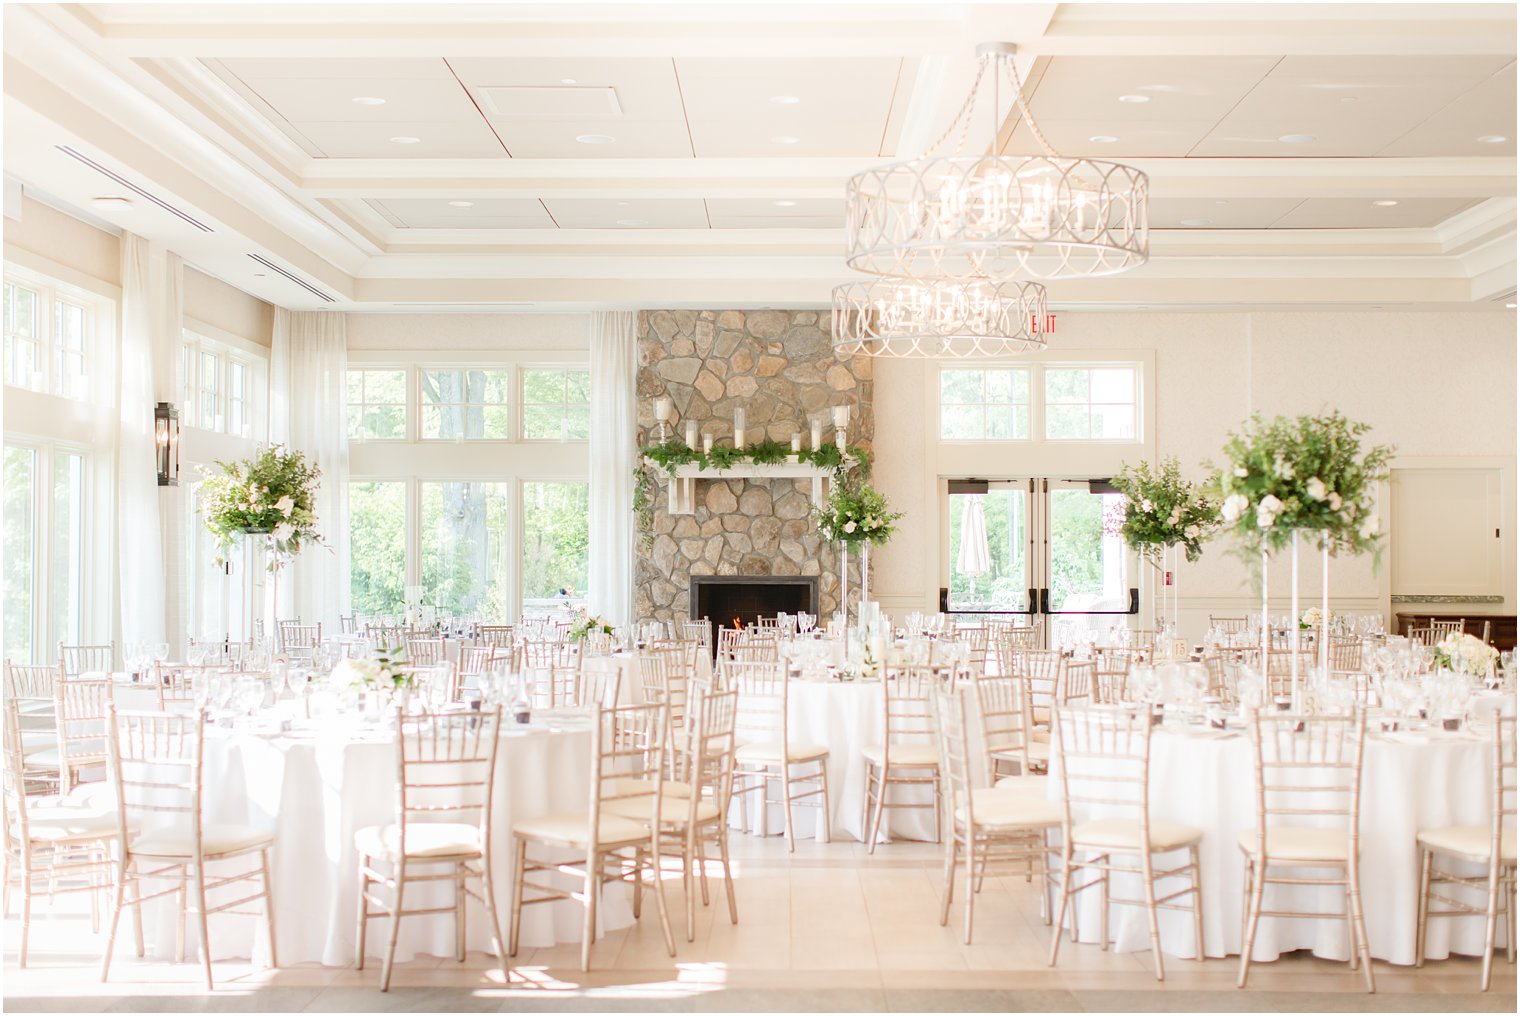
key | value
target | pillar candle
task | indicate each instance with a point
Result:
(707, 442)
(796, 443)
(738, 428)
(817, 434)
(691, 433)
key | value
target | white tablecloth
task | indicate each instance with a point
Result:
(845, 717)
(1206, 780)
(317, 791)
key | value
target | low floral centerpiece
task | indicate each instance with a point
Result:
(384, 671)
(856, 513)
(587, 624)
(1314, 617)
(1161, 509)
(1460, 651)
(1307, 474)
(273, 492)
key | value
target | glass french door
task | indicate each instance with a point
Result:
(1040, 548)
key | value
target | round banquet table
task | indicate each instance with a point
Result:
(317, 789)
(846, 717)
(1410, 781)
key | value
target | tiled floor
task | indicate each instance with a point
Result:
(825, 929)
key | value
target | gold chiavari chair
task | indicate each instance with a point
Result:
(52, 844)
(174, 684)
(424, 652)
(1492, 846)
(347, 624)
(495, 634)
(32, 690)
(1308, 770)
(300, 641)
(551, 687)
(1008, 733)
(988, 827)
(1110, 678)
(156, 768)
(446, 768)
(1426, 637)
(1345, 654)
(1041, 670)
(908, 755)
(1441, 629)
(1228, 625)
(975, 639)
(1142, 638)
(1076, 684)
(94, 659)
(597, 685)
(1280, 669)
(80, 707)
(547, 653)
(1105, 776)
(473, 661)
(766, 752)
(1219, 686)
(700, 630)
(627, 764)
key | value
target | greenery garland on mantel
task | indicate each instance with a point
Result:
(674, 453)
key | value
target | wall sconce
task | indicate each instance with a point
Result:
(166, 443)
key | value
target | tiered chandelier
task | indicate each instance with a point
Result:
(948, 233)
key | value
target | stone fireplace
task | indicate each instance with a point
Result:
(780, 367)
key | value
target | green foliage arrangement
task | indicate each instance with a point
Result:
(585, 624)
(273, 492)
(1308, 473)
(856, 512)
(1162, 509)
(768, 453)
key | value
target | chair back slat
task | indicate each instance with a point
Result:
(89, 659)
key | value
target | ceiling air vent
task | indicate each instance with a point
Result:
(1505, 298)
(293, 277)
(129, 185)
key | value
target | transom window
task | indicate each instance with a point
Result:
(220, 387)
(49, 335)
(1090, 403)
(987, 405)
(377, 405)
(556, 405)
(466, 404)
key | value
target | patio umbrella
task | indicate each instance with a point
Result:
(974, 559)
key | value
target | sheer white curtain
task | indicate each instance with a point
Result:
(614, 365)
(307, 413)
(139, 561)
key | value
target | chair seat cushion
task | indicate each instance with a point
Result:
(217, 838)
(1124, 834)
(423, 839)
(1299, 844)
(34, 741)
(1028, 785)
(1470, 842)
(57, 822)
(1001, 809)
(571, 829)
(627, 787)
(911, 756)
(769, 753)
(673, 810)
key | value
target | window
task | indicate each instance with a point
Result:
(984, 405)
(377, 405)
(1090, 403)
(556, 405)
(220, 387)
(48, 331)
(377, 547)
(206, 583)
(66, 569)
(555, 535)
(464, 548)
(20, 547)
(466, 404)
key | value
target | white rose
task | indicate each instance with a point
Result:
(1335, 501)
(283, 532)
(285, 505)
(1315, 489)
(1241, 472)
(1369, 527)
(1175, 517)
(1193, 532)
(1234, 507)
(849, 527)
(1267, 512)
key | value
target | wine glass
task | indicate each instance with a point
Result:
(248, 694)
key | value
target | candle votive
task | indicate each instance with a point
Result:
(842, 416)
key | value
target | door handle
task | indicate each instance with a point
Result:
(1045, 600)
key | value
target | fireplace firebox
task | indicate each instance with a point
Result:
(741, 599)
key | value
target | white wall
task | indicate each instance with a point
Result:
(462, 332)
(1439, 386)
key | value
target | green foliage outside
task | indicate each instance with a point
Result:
(1076, 546)
(556, 537)
(1006, 586)
(464, 548)
(377, 547)
(20, 525)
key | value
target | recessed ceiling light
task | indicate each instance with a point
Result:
(784, 204)
(1348, 98)
(1492, 139)
(368, 100)
(783, 140)
(404, 140)
(1221, 202)
(595, 139)
(622, 204)
(567, 81)
(1509, 306)
(1296, 139)
(785, 100)
(1103, 139)
(112, 201)
(1196, 222)
(260, 275)
(1134, 98)
(461, 204)
(633, 222)
(1385, 203)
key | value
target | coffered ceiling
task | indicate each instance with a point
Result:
(582, 155)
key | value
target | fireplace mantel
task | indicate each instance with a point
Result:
(682, 499)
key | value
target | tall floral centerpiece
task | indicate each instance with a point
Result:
(1291, 476)
(1164, 513)
(273, 495)
(855, 514)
